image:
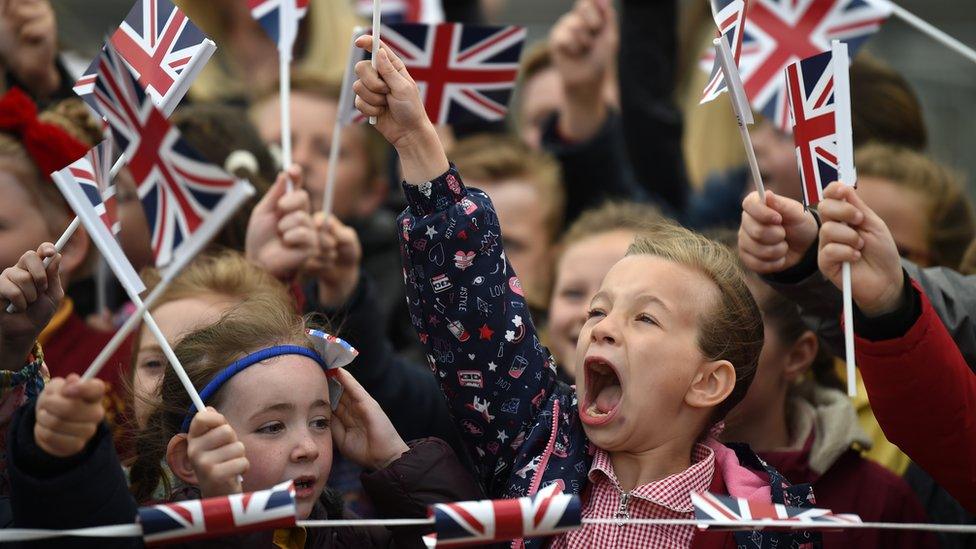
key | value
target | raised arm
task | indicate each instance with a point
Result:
(465, 301)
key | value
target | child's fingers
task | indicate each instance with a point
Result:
(761, 266)
(25, 283)
(769, 253)
(230, 469)
(295, 201)
(369, 96)
(591, 15)
(80, 429)
(90, 390)
(54, 288)
(217, 437)
(365, 42)
(205, 420)
(301, 238)
(835, 253)
(370, 79)
(34, 265)
(222, 454)
(11, 292)
(294, 220)
(760, 232)
(70, 409)
(840, 211)
(367, 109)
(395, 78)
(760, 211)
(351, 388)
(66, 445)
(840, 233)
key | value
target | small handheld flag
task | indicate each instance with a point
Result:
(544, 514)
(404, 11)
(162, 47)
(730, 511)
(186, 199)
(220, 516)
(80, 188)
(279, 19)
(729, 15)
(466, 73)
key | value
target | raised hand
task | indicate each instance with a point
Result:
(217, 457)
(853, 232)
(774, 235)
(360, 429)
(30, 43)
(280, 234)
(337, 264)
(390, 94)
(36, 293)
(68, 413)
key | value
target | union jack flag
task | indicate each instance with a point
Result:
(268, 14)
(336, 353)
(731, 510)
(214, 517)
(780, 32)
(728, 15)
(465, 73)
(404, 11)
(548, 512)
(162, 46)
(812, 108)
(85, 185)
(186, 199)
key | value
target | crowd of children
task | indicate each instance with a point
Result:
(531, 307)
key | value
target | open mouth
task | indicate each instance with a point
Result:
(603, 391)
(304, 487)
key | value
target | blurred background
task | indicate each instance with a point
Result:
(944, 81)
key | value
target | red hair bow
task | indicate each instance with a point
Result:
(49, 146)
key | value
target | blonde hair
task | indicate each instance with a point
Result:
(257, 323)
(733, 330)
(495, 158)
(951, 224)
(612, 216)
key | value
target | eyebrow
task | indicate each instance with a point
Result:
(649, 298)
(287, 407)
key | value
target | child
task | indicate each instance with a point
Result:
(33, 211)
(674, 315)
(806, 427)
(275, 411)
(590, 247)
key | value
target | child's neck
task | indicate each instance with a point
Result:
(634, 469)
(767, 432)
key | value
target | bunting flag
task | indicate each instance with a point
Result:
(728, 15)
(816, 105)
(404, 11)
(162, 47)
(780, 32)
(196, 519)
(466, 73)
(186, 199)
(279, 18)
(548, 512)
(81, 184)
(730, 511)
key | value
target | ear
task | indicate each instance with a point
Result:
(179, 461)
(801, 356)
(73, 255)
(712, 384)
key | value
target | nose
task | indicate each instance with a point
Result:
(605, 331)
(305, 449)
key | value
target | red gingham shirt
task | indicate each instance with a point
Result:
(667, 498)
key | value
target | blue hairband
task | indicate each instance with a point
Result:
(241, 364)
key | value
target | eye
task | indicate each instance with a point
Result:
(152, 363)
(271, 428)
(644, 317)
(571, 294)
(321, 423)
(595, 313)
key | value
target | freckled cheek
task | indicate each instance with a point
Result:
(266, 464)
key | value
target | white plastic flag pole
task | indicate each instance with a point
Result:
(740, 104)
(285, 42)
(928, 29)
(345, 107)
(840, 62)
(376, 40)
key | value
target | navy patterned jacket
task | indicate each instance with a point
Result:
(518, 422)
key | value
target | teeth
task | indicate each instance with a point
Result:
(592, 410)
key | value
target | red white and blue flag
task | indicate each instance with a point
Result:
(810, 84)
(732, 511)
(548, 512)
(466, 73)
(404, 11)
(162, 47)
(780, 32)
(85, 186)
(279, 18)
(728, 15)
(214, 517)
(186, 199)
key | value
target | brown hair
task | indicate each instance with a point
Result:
(257, 323)
(495, 158)
(884, 108)
(612, 216)
(73, 117)
(733, 331)
(951, 222)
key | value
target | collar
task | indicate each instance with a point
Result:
(672, 492)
